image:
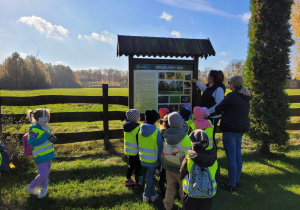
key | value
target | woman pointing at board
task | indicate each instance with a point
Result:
(213, 94)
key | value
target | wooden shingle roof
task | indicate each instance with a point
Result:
(159, 46)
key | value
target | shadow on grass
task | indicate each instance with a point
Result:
(264, 159)
(87, 173)
(260, 192)
(110, 152)
(263, 190)
(117, 201)
(267, 190)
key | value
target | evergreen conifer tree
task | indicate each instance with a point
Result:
(267, 71)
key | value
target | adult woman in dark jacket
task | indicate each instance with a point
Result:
(234, 122)
(213, 94)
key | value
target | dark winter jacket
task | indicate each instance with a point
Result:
(204, 158)
(129, 126)
(235, 112)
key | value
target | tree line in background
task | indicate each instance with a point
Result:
(95, 78)
(31, 73)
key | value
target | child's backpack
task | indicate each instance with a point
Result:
(27, 149)
(4, 163)
(200, 183)
(171, 154)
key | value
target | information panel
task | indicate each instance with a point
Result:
(161, 85)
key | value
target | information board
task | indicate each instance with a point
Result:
(161, 85)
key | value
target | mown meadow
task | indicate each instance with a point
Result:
(86, 176)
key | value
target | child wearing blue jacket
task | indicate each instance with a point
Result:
(41, 139)
(150, 148)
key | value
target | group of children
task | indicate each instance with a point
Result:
(177, 145)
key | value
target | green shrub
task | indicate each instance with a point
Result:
(267, 71)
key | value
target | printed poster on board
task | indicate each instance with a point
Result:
(161, 85)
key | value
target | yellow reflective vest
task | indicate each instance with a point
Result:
(148, 150)
(130, 143)
(186, 144)
(188, 122)
(43, 149)
(212, 169)
(210, 133)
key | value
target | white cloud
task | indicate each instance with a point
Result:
(23, 55)
(105, 36)
(196, 5)
(224, 63)
(59, 63)
(176, 33)
(166, 16)
(245, 17)
(90, 68)
(44, 27)
(222, 53)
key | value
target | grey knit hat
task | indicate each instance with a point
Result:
(199, 139)
(175, 120)
(133, 115)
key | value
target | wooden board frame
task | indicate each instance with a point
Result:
(196, 95)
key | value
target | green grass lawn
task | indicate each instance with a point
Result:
(86, 176)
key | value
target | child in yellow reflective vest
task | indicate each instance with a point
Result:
(150, 147)
(198, 193)
(41, 139)
(175, 137)
(131, 129)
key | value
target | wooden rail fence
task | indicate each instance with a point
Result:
(104, 116)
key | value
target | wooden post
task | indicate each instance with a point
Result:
(105, 115)
(130, 85)
(196, 91)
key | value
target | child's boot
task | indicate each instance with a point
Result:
(32, 191)
(43, 193)
(145, 199)
(129, 182)
(154, 198)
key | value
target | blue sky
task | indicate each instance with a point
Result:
(82, 33)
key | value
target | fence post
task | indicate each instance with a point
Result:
(105, 115)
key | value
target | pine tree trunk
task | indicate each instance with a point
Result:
(264, 148)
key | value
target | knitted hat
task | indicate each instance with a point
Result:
(199, 140)
(151, 116)
(163, 112)
(188, 106)
(133, 115)
(185, 113)
(175, 120)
